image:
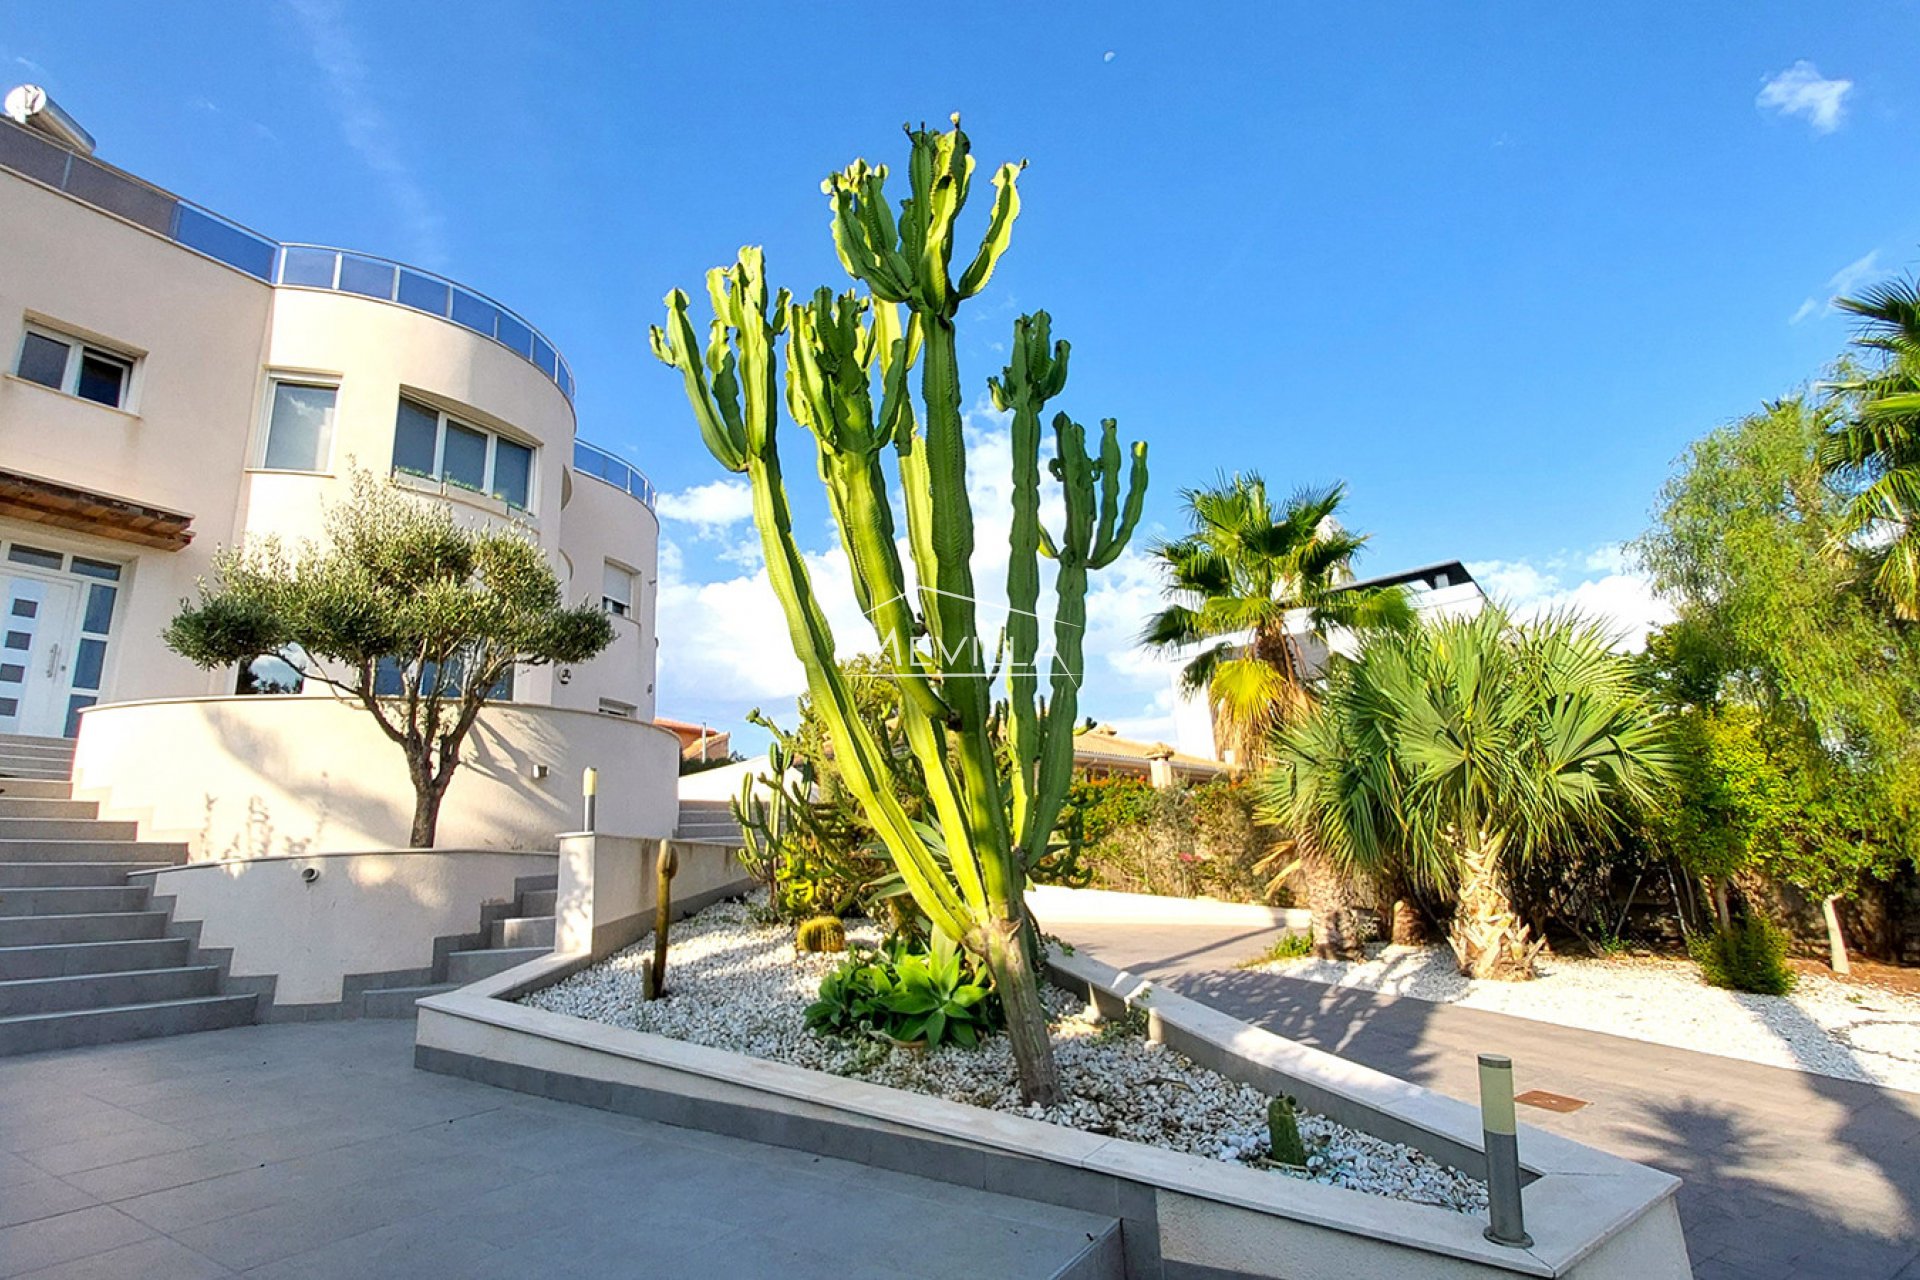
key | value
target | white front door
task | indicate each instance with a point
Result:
(39, 628)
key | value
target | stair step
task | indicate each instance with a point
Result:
(20, 767)
(539, 902)
(30, 1033)
(397, 1002)
(72, 900)
(111, 926)
(37, 788)
(39, 875)
(471, 966)
(67, 829)
(103, 990)
(35, 739)
(523, 931)
(37, 749)
(29, 807)
(66, 959)
(171, 853)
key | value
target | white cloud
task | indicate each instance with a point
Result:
(1801, 90)
(1805, 309)
(1856, 273)
(353, 92)
(711, 506)
(1601, 583)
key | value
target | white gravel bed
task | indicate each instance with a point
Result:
(1825, 1027)
(738, 985)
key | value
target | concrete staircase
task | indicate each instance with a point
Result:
(510, 934)
(84, 959)
(708, 821)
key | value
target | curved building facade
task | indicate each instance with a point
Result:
(167, 392)
(173, 383)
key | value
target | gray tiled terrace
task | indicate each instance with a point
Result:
(316, 1150)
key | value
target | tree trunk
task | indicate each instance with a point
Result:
(1488, 939)
(1722, 917)
(1836, 941)
(426, 814)
(1335, 902)
(1014, 977)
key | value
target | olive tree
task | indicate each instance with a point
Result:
(400, 610)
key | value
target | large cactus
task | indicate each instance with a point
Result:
(849, 358)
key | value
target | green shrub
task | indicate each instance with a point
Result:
(1288, 946)
(1749, 955)
(908, 993)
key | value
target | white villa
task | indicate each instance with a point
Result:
(174, 382)
(1443, 590)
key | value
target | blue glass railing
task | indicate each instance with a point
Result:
(597, 462)
(300, 266)
(312, 266)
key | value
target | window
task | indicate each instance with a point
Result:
(616, 597)
(76, 367)
(271, 673)
(618, 710)
(299, 426)
(429, 443)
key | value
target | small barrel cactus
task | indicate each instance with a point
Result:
(821, 933)
(1283, 1133)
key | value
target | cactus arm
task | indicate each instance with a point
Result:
(1006, 208)
(1109, 547)
(676, 346)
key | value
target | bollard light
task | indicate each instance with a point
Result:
(1506, 1222)
(590, 789)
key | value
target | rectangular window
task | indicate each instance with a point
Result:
(463, 458)
(429, 443)
(616, 597)
(416, 440)
(76, 367)
(299, 426)
(619, 710)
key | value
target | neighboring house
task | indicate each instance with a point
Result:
(174, 382)
(699, 743)
(1443, 590)
(1101, 752)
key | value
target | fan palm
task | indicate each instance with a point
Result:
(1875, 450)
(1243, 585)
(1440, 754)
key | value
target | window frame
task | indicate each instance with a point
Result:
(79, 347)
(628, 607)
(443, 419)
(294, 378)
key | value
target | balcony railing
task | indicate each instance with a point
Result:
(597, 462)
(300, 266)
(312, 266)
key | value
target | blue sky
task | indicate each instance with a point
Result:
(1491, 267)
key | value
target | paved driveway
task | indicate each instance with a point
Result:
(1787, 1174)
(316, 1151)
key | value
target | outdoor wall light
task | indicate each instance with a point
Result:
(539, 773)
(309, 874)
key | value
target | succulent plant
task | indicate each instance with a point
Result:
(821, 933)
(848, 363)
(1283, 1133)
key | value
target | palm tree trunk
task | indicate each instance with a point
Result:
(1334, 900)
(1488, 939)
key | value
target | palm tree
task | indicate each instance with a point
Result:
(1448, 753)
(1875, 450)
(1245, 584)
